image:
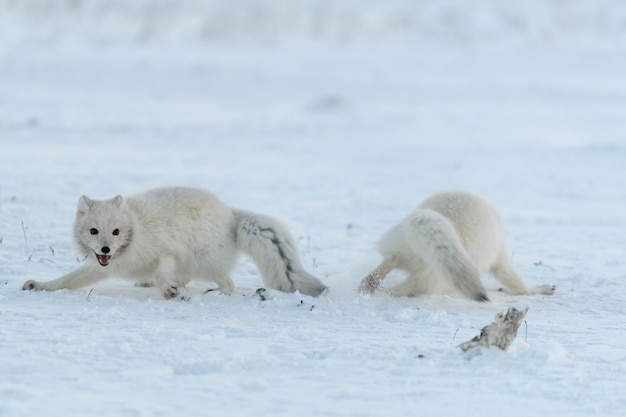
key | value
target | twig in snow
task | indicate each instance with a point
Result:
(454, 336)
(540, 263)
(46, 260)
(89, 295)
(25, 238)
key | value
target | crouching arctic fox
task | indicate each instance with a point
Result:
(167, 236)
(449, 240)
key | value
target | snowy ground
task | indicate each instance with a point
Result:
(340, 138)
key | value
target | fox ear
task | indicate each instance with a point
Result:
(118, 200)
(84, 204)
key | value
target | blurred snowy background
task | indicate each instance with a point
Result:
(107, 22)
(337, 117)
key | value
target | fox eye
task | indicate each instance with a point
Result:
(93, 231)
(116, 232)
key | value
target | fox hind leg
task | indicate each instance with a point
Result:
(422, 279)
(372, 281)
(504, 272)
(225, 284)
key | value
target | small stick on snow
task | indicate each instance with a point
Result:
(540, 263)
(25, 238)
(526, 334)
(501, 332)
(454, 335)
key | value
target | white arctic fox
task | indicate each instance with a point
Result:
(450, 239)
(167, 236)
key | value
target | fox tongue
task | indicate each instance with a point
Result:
(103, 259)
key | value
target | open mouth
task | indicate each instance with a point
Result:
(103, 259)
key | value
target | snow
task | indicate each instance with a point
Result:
(338, 118)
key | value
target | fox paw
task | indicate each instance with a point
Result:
(545, 289)
(30, 285)
(170, 292)
(368, 286)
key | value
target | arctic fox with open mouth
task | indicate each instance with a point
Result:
(168, 236)
(449, 240)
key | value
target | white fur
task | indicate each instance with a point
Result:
(449, 240)
(168, 236)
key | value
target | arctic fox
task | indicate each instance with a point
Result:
(167, 236)
(450, 239)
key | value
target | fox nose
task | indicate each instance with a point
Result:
(105, 249)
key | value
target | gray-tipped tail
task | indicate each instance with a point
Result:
(461, 272)
(272, 248)
(434, 237)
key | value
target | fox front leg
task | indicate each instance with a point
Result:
(81, 277)
(165, 279)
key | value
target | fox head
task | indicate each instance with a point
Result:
(103, 228)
